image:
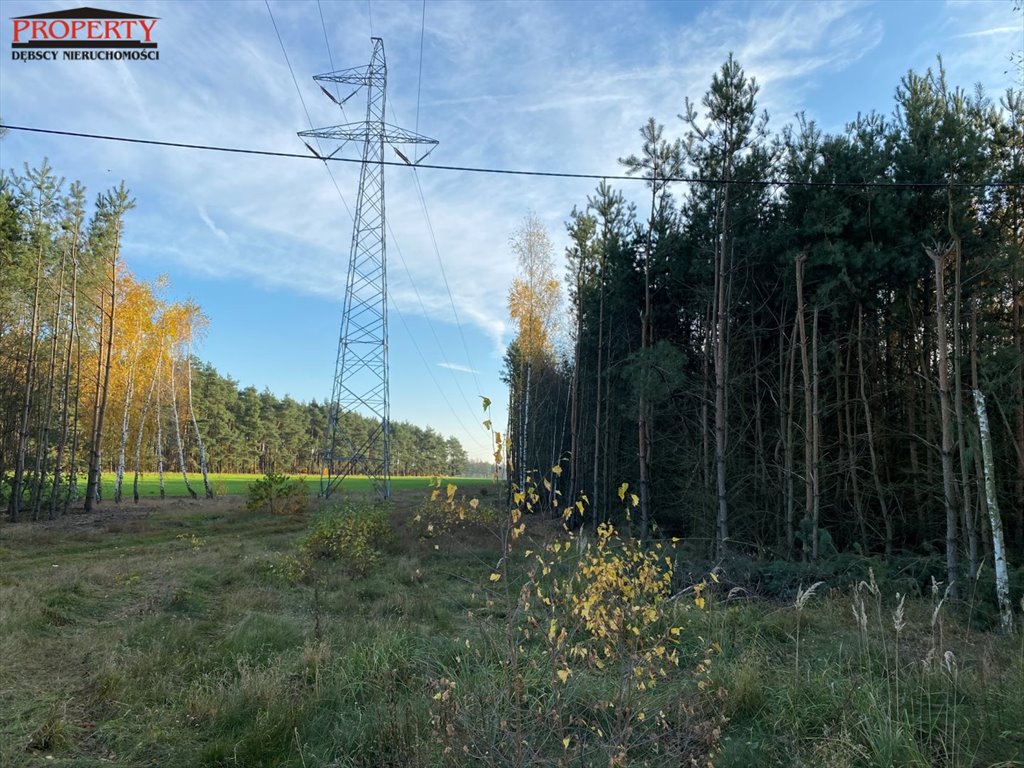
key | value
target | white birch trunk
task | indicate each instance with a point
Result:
(159, 429)
(142, 428)
(177, 432)
(125, 420)
(195, 426)
(995, 522)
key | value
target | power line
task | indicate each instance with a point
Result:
(430, 225)
(330, 56)
(419, 79)
(289, 63)
(430, 372)
(542, 174)
(444, 278)
(437, 340)
(303, 101)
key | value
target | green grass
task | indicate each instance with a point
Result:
(227, 484)
(174, 640)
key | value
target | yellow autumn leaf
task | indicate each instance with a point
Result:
(557, 469)
(474, 503)
(634, 499)
(486, 402)
(699, 602)
(714, 577)
(547, 484)
(563, 674)
(495, 577)
(451, 491)
(565, 743)
(487, 423)
(622, 491)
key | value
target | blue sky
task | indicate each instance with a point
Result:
(262, 243)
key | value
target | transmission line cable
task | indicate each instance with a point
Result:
(430, 372)
(430, 225)
(419, 78)
(433, 331)
(444, 278)
(781, 183)
(303, 102)
(330, 56)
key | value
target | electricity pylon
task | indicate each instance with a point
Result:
(361, 370)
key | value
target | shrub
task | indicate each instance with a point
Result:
(350, 534)
(278, 494)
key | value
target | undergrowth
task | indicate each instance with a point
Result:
(500, 639)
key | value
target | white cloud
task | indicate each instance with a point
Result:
(458, 368)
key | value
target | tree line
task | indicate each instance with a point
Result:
(252, 431)
(788, 363)
(97, 371)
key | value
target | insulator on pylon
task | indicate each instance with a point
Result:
(330, 95)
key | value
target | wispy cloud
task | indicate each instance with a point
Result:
(991, 32)
(457, 367)
(220, 233)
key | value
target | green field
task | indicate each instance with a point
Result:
(181, 638)
(238, 484)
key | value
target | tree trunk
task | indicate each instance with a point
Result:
(159, 428)
(30, 373)
(995, 522)
(142, 427)
(93, 489)
(808, 412)
(883, 503)
(706, 430)
(815, 437)
(961, 424)
(177, 432)
(125, 418)
(575, 442)
(851, 448)
(938, 256)
(195, 425)
(43, 448)
(66, 387)
(721, 360)
(599, 376)
(788, 452)
(72, 494)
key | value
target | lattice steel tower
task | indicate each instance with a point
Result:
(361, 370)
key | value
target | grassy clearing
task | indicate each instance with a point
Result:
(175, 640)
(226, 484)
